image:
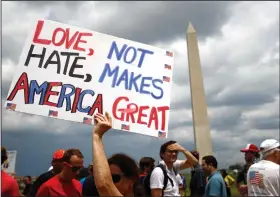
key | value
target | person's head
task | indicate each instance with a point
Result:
(4, 155)
(195, 154)
(57, 161)
(251, 153)
(125, 172)
(209, 164)
(270, 150)
(27, 180)
(166, 154)
(73, 161)
(223, 173)
(146, 164)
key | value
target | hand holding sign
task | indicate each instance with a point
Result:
(102, 123)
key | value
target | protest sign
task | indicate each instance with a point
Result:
(70, 73)
(9, 165)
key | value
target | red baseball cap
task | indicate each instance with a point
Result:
(250, 147)
(58, 154)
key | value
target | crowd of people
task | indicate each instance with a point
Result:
(120, 175)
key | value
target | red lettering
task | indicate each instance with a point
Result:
(98, 104)
(49, 93)
(153, 117)
(69, 43)
(114, 108)
(163, 110)
(22, 84)
(132, 111)
(38, 30)
(78, 41)
(61, 41)
(140, 115)
(76, 99)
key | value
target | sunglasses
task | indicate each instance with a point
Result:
(116, 177)
(73, 168)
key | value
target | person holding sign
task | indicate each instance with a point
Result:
(117, 175)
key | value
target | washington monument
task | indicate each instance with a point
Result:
(202, 136)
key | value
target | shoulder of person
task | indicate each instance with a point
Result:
(157, 171)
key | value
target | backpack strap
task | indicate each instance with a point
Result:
(166, 178)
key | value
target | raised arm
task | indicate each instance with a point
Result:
(190, 161)
(101, 170)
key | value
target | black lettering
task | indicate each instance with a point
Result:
(30, 55)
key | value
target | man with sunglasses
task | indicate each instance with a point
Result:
(65, 183)
(263, 177)
(57, 165)
(251, 153)
(170, 165)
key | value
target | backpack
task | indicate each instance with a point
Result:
(147, 188)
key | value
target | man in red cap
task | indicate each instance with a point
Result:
(252, 155)
(57, 164)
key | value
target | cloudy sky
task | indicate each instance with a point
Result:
(239, 49)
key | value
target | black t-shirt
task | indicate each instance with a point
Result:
(40, 181)
(89, 188)
(27, 189)
(198, 181)
(242, 175)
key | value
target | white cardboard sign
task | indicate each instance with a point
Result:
(9, 165)
(70, 73)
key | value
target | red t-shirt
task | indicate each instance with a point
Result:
(56, 187)
(9, 185)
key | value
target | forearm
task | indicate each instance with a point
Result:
(101, 170)
(190, 158)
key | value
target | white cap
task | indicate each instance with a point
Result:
(269, 144)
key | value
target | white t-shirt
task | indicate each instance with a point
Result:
(157, 178)
(180, 181)
(263, 179)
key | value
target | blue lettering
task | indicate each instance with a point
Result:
(118, 53)
(144, 52)
(34, 87)
(133, 56)
(132, 81)
(123, 77)
(143, 84)
(107, 69)
(158, 88)
(67, 97)
(80, 101)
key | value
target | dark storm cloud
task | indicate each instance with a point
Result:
(163, 20)
(48, 4)
(226, 119)
(11, 48)
(244, 99)
(268, 123)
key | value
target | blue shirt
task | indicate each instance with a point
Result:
(83, 180)
(216, 185)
